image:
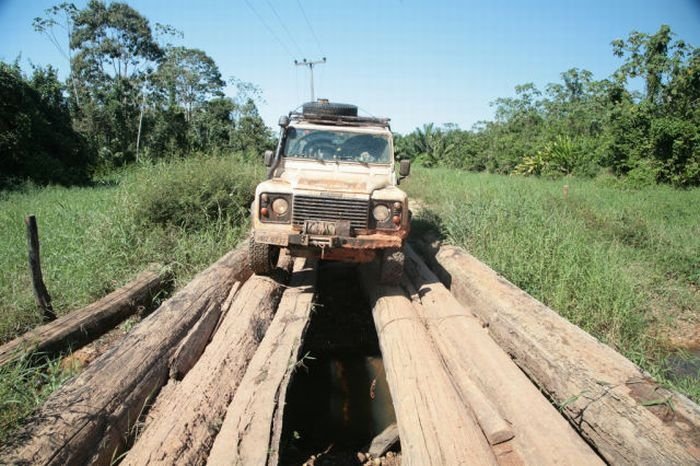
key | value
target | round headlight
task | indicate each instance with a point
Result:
(280, 206)
(380, 212)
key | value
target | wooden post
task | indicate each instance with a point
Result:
(41, 294)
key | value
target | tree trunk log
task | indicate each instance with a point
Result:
(89, 418)
(252, 428)
(382, 442)
(186, 418)
(81, 326)
(617, 407)
(435, 426)
(192, 346)
(492, 385)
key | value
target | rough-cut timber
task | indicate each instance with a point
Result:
(192, 346)
(186, 417)
(435, 426)
(384, 441)
(87, 420)
(617, 407)
(81, 326)
(252, 429)
(491, 384)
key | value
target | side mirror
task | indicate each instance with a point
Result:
(283, 121)
(404, 168)
(269, 155)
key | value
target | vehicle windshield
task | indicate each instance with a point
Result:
(336, 146)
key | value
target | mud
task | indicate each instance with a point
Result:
(338, 399)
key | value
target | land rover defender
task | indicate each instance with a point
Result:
(332, 192)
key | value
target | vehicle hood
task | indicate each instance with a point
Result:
(338, 177)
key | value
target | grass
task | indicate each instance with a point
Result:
(622, 264)
(182, 214)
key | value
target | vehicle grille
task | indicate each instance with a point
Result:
(331, 209)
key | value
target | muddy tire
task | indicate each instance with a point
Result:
(262, 257)
(391, 266)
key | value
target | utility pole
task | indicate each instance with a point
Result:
(311, 64)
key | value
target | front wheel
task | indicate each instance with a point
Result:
(262, 257)
(391, 266)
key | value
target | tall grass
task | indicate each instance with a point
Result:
(622, 264)
(183, 214)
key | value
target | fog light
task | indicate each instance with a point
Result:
(264, 198)
(397, 206)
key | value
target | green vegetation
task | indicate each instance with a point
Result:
(37, 139)
(130, 95)
(582, 126)
(620, 263)
(94, 240)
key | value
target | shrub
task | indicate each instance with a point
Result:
(192, 193)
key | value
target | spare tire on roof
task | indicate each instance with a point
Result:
(329, 109)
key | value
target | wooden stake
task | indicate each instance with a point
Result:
(41, 294)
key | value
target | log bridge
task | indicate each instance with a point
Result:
(239, 369)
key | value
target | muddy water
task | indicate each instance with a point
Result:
(340, 400)
(684, 364)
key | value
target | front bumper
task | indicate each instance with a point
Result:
(371, 241)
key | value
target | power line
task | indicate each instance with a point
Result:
(270, 30)
(284, 26)
(308, 23)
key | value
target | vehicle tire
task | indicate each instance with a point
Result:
(329, 108)
(391, 267)
(262, 257)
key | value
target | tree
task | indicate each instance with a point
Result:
(187, 78)
(61, 16)
(661, 134)
(654, 57)
(37, 140)
(114, 52)
(251, 135)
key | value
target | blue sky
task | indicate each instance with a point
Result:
(413, 61)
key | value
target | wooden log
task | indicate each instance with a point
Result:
(435, 426)
(186, 418)
(41, 294)
(192, 346)
(491, 384)
(381, 443)
(617, 407)
(252, 428)
(89, 418)
(84, 325)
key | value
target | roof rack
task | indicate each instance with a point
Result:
(340, 120)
